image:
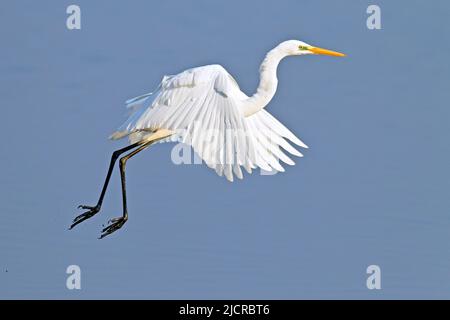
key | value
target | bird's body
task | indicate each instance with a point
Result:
(205, 108)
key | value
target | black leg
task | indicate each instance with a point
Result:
(92, 210)
(117, 223)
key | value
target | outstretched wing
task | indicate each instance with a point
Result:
(203, 107)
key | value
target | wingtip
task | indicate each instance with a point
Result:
(229, 179)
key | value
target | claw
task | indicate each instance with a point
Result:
(114, 220)
(85, 215)
(115, 224)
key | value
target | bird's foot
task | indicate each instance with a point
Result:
(85, 215)
(114, 225)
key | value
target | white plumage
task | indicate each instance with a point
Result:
(205, 108)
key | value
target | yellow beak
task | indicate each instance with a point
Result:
(327, 52)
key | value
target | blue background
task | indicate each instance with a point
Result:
(372, 188)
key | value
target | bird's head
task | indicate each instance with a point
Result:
(297, 48)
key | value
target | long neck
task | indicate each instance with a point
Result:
(267, 82)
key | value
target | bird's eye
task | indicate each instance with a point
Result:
(302, 48)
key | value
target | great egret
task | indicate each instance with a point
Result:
(205, 108)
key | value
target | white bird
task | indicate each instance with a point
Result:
(204, 108)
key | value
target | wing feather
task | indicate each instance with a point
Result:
(203, 106)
